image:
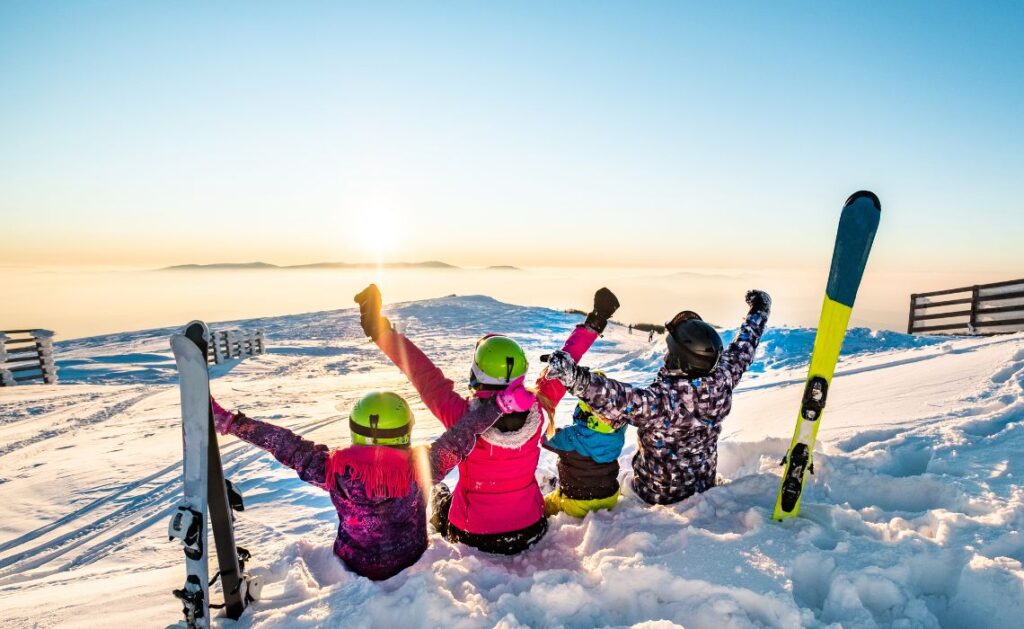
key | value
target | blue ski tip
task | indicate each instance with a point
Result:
(864, 194)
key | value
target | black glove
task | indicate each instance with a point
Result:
(369, 301)
(605, 305)
(759, 301)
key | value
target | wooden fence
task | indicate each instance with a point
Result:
(984, 309)
(234, 343)
(26, 355)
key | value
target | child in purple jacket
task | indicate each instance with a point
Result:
(378, 485)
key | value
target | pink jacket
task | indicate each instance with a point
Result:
(497, 490)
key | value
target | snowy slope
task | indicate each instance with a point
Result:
(914, 518)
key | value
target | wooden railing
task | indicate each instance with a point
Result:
(233, 343)
(26, 355)
(984, 309)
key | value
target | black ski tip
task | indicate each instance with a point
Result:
(864, 194)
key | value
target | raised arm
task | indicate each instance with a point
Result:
(736, 358)
(457, 442)
(580, 340)
(437, 391)
(621, 403)
(307, 458)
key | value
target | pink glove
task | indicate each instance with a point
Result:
(222, 417)
(515, 398)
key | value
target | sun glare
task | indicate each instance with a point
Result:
(379, 234)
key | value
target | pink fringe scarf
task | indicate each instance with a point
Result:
(385, 472)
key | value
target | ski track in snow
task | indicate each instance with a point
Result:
(157, 496)
(75, 424)
(913, 518)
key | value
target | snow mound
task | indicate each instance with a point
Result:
(914, 517)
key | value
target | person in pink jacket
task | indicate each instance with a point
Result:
(497, 504)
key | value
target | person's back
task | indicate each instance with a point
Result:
(588, 452)
(674, 461)
(382, 526)
(498, 490)
(679, 416)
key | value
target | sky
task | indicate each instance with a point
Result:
(676, 134)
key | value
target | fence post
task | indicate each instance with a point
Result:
(6, 377)
(972, 327)
(913, 305)
(44, 349)
(218, 354)
(259, 341)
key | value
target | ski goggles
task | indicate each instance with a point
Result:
(479, 379)
(374, 432)
(686, 315)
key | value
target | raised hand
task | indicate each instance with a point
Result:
(370, 319)
(561, 367)
(759, 301)
(605, 305)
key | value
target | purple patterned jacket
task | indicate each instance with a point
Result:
(378, 535)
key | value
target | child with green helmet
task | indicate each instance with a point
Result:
(379, 485)
(588, 464)
(497, 505)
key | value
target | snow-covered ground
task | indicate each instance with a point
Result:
(915, 517)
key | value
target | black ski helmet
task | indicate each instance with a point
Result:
(694, 347)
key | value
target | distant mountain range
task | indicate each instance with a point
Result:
(241, 266)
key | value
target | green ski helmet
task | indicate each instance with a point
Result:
(381, 418)
(498, 360)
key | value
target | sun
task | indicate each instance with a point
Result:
(379, 233)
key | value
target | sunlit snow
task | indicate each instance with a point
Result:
(915, 517)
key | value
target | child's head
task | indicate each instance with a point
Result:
(694, 347)
(381, 418)
(497, 361)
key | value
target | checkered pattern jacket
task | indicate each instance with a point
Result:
(678, 419)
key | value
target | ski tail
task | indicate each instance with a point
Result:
(858, 224)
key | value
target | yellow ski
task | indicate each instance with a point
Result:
(857, 226)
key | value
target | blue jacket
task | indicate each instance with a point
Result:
(599, 446)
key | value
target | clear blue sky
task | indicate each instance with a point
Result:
(681, 134)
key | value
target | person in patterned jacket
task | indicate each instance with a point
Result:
(679, 416)
(375, 484)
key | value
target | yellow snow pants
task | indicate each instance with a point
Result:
(555, 502)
